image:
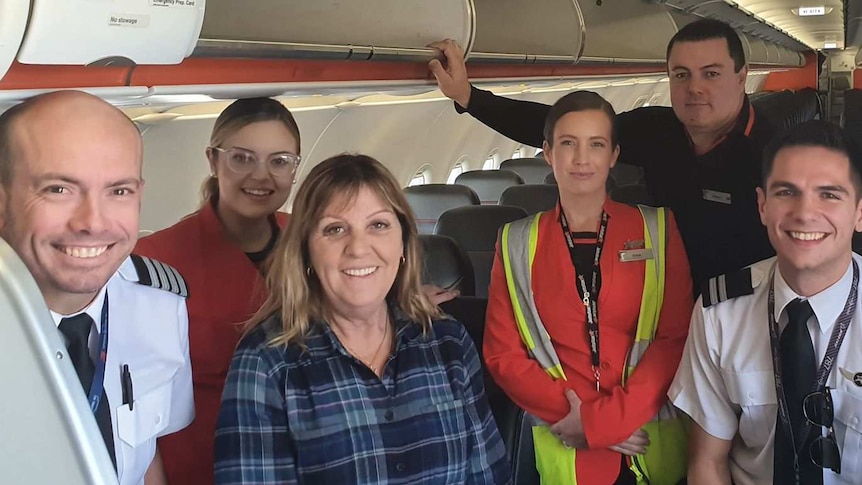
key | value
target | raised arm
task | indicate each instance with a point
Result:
(252, 446)
(645, 392)
(522, 121)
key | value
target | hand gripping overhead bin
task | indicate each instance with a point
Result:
(13, 20)
(81, 32)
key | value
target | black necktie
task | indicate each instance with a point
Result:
(77, 332)
(798, 374)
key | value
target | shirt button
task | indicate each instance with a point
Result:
(400, 467)
(388, 416)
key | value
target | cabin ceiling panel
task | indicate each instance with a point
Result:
(813, 30)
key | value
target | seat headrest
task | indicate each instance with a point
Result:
(626, 174)
(446, 265)
(532, 170)
(550, 179)
(631, 194)
(489, 184)
(430, 200)
(532, 198)
(475, 227)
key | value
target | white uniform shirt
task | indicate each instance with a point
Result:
(148, 331)
(725, 381)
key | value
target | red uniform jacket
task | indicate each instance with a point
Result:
(612, 414)
(225, 289)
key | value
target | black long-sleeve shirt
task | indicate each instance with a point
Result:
(712, 195)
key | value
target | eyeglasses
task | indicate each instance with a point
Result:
(818, 410)
(244, 162)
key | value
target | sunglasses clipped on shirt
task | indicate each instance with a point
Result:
(819, 411)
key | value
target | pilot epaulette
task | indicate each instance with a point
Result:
(727, 286)
(159, 275)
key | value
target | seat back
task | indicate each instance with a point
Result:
(532, 170)
(626, 174)
(852, 118)
(532, 198)
(489, 184)
(430, 200)
(446, 265)
(475, 229)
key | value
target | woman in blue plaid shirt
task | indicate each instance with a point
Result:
(349, 374)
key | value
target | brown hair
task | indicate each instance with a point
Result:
(237, 116)
(295, 294)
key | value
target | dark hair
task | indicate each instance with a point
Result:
(579, 101)
(708, 29)
(816, 133)
(237, 116)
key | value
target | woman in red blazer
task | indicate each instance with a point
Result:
(253, 157)
(590, 411)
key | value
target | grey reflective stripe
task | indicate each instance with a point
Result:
(519, 259)
(722, 287)
(650, 217)
(667, 412)
(638, 350)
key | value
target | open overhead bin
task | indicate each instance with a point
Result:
(13, 20)
(81, 32)
(333, 29)
(626, 31)
(528, 32)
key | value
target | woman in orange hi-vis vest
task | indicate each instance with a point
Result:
(587, 267)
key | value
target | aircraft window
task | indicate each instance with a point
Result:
(455, 172)
(490, 163)
(422, 177)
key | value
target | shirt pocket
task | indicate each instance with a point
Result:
(150, 416)
(848, 431)
(754, 393)
(444, 426)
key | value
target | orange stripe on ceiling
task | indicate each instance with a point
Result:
(37, 76)
(795, 78)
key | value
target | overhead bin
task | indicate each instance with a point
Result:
(333, 29)
(538, 31)
(82, 32)
(773, 55)
(755, 49)
(13, 20)
(626, 31)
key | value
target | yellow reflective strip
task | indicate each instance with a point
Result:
(662, 268)
(513, 294)
(554, 462)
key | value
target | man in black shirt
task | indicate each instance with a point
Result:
(701, 158)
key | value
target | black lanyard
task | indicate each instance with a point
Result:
(589, 296)
(835, 340)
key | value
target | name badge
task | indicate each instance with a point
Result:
(716, 196)
(629, 255)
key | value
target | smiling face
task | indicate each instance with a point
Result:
(810, 209)
(706, 93)
(71, 208)
(355, 251)
(582, 153)
(258, 193)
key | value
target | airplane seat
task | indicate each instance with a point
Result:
(811, 103)
(475, 229)
(609, 184)
(428, 201)
(550, 179)
(516, 429)
(446, 265)
(489, 184)
(532, 170)
(532, 198)
(625, 174)
(631, 194)
(853, 114)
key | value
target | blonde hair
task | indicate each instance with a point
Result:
(237, 116)
(295, 294)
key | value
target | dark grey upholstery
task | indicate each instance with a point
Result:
(852, 119)
(631, 194)
(489, 184)
(430, 200)
(532, 170)
(475, 229)
(446, 265)
(532, 198)
(549, 179)
(626, 174)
